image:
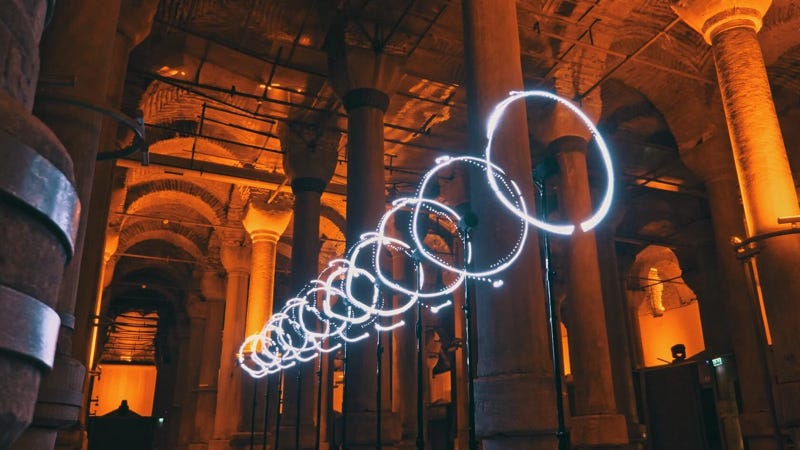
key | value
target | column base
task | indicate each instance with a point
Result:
(361, 427)
(787, 399)
(308, 437)
(38, 438)
(515, 405)
(601, 430)
(219, 444)
(543, 442)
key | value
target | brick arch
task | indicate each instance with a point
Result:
(154, 192)
(182, 237)
(333, 217)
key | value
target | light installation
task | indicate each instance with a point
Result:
(347, 301)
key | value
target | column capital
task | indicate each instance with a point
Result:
(711, 17)
(111, 244)
(711, 160)
(196, 307)
(568, 143)
(136, 20)
(267, 222)
(310, 154)
(354, 69)
(562, 122)
(235, 257)
(212, 286)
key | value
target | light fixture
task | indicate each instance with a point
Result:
(302, 330)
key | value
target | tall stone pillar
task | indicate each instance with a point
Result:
(198, 311)
(79, 44)
(595, 421)
(405, 345)
(364, 80)
(618, 328)
(36, 230)
(108, 187)
(765, 179)
(309, 161)
(713, 162)
(514, 368)
(213, 289)
(265, 224)
(235, 258)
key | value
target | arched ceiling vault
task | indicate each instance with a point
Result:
(218, 81)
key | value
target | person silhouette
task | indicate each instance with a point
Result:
(678, 353)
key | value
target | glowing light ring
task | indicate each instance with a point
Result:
(605, 204)
(329, 311)
(497, 267)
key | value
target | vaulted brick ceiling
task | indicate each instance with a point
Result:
(219, 82)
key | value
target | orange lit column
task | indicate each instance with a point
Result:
(740, 315)
(363, 79)
(77, 45)
(236, 260)
(765, 179)
(309, 161)
(212, 287)
(265, 223)
(514, 394)
(595, 421)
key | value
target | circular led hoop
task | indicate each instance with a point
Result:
(330, 310)
(605, 204)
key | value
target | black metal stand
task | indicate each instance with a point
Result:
(420, 362)
(468, 222)
(279, 412)
(266, 416)
(344, 397)
(253, 415)
(553, 324)
(319, 402)
(297, 408)
(378, 390)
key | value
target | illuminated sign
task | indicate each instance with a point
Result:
(347, 301)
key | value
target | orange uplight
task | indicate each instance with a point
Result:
(675, 326)
(117, 382)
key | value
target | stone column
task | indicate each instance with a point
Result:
(740, 315)
(265, 224)
(364, 80)
(78, 44)
(765, 179)
(213, 289)
(33, 234)
(595, 421)
(309, 161)
(514, 367)
(618, 327)
(108, 187)
(197, 309)
(236, 260)
(405, 344)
